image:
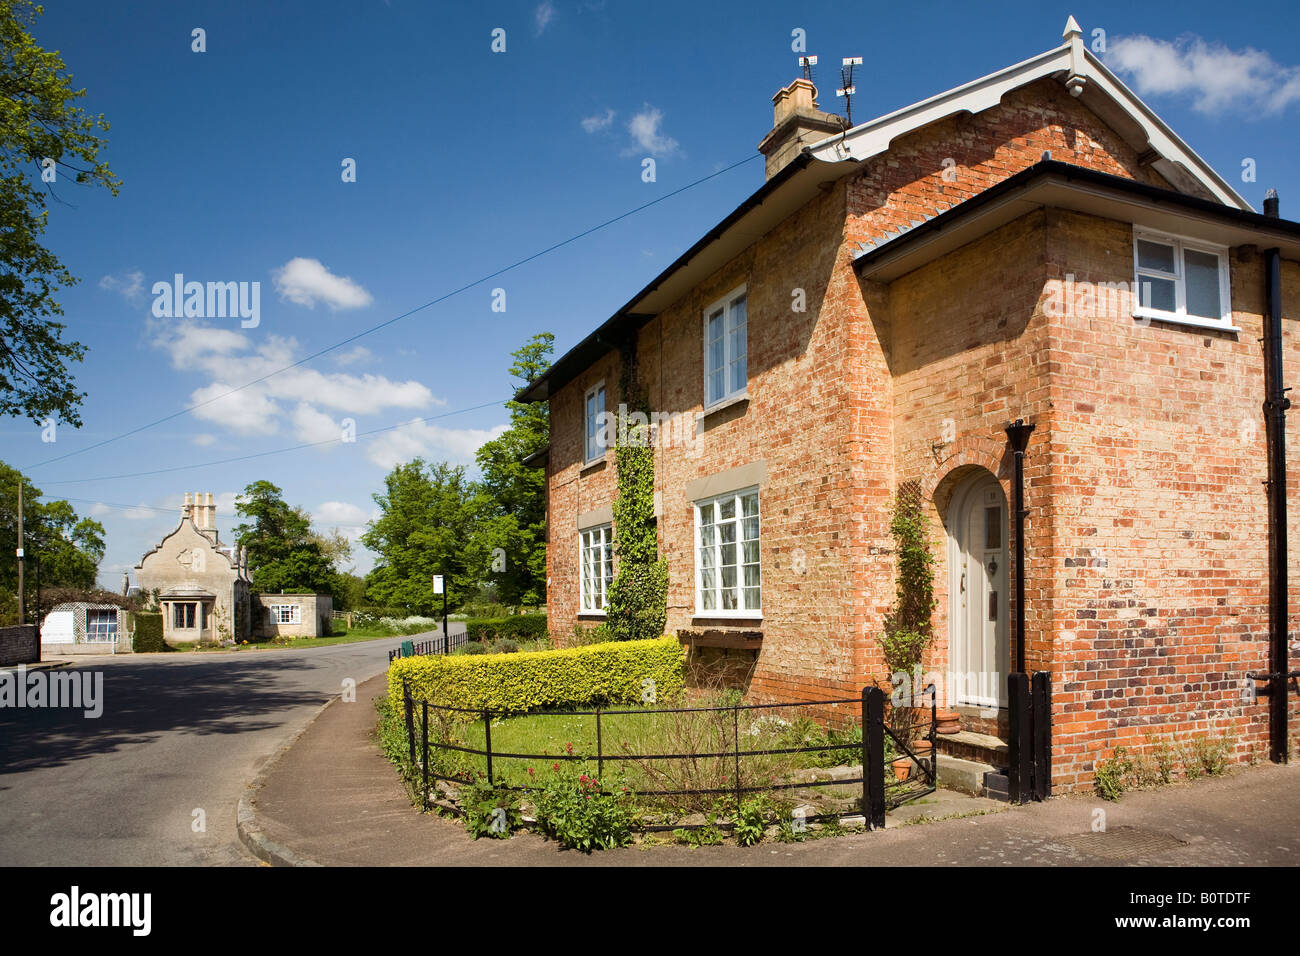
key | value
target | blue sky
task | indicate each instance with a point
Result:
(468, 160)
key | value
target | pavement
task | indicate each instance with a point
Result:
(331, 799)
(156, 779)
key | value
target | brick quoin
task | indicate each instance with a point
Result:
(1146, 546)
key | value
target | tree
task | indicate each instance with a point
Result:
(425, 528)
(66, 547)
(283, 552)
(511, 502)
(42, 131)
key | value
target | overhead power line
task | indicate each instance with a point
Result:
(274, 451)
(383, 325)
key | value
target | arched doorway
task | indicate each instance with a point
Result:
(978, 629)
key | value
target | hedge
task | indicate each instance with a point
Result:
(612, 673)
(517, 627)
(148, 633)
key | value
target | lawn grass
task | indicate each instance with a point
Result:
(356, 635)
(625, 740)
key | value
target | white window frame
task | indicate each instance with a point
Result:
(604, 546)
(592, 449)
(1179, 278)
(277, 615)
(741, 612)
(727, 305)
(106, 634)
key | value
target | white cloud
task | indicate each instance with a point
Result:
(226, 358)
(353, 355)
(307, 281)
(312, 425)
(598, 121)
(340, 514)
(1217, 78)
(130, 285)
(424, 439)
(142, 513)
(99, 509)
(543, 16)
(203, 439)
(645, 128)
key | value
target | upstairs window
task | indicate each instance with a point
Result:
(1181, 280)
(595, 408)
(725, 349)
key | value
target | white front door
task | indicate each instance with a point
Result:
(978, 618)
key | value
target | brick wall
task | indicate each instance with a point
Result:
(19, 645)
(1145, 583)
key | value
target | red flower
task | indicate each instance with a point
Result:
(555, 766)
(530, 771)
(568, 748)
(583, 778)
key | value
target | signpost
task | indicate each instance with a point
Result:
(440, 587)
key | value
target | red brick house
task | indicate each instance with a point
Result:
(1035, 245)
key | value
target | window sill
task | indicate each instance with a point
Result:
(726, 403)
(600, 614)
(727, 616)
(592, 465)
(1146, 316)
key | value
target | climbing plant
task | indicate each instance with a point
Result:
(908, 630)
(638, 595)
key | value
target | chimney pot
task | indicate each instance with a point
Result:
(796, 122)
(1271, 204)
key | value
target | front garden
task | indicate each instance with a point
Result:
(603, 745)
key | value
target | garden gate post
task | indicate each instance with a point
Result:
(1042, 695)
(873, 756)
(487, 736)
(410, 718)
(1020, 746)
(424, 736)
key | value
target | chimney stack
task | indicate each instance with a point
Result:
(1271, 204)
(796, 123)
(187, 509)
(209, 513)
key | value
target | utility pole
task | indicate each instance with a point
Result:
(22, 604)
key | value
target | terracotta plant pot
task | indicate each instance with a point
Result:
(921, 748)
(902, 768)
(948, 722)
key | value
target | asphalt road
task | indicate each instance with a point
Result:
(178, 733)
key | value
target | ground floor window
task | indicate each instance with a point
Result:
(185, 615)
(728, 580)
(286, 614)
(597, 560)
(101, 626)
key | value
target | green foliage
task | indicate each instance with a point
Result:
(523, 627)
(573, 809)
(148, 633)
(473, 647)
(638, 594)
(751, 819)
(597, 634)
(1110, 776)
(510, 498)
(519, 683)
(706, 834)
(490, 812)
(908, 629)
(425, 528)
(39, 118)
(67, 547)
(283, 552)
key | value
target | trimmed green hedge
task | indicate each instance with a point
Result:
(517, 627)
(613, 673)
(148, 633)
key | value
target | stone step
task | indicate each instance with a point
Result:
(967, 776)
(968, 745)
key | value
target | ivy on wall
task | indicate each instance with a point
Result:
(638, 595)
(908, 630)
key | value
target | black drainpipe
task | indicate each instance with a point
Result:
(1018, 434)
(1275, 405)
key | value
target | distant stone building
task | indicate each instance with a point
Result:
(79, 627)
(204, 587)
